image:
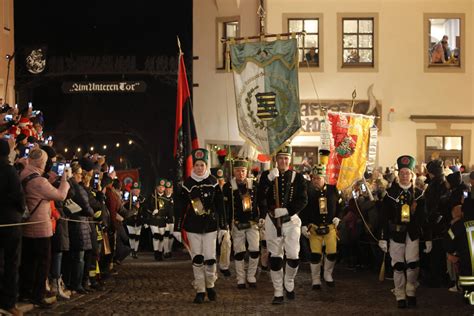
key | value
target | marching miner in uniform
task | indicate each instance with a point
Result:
(162, 211)
(403, 221)
(202, 210)
(282, 195)
(168, 240)
(136, 218)
(320, 224)
(240, 196)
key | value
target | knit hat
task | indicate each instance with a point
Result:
(86, 164)
(454, 179)
(106, 180)
(20, 137)
(4, 148)
(49, 150)
(435, 167)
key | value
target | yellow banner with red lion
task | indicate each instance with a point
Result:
(348, 135)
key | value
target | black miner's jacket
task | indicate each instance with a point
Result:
(210, 194)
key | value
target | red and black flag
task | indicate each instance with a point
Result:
(185, 137)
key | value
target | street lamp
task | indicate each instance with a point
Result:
(117, 145)
(105, 147)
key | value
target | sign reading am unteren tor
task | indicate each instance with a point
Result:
(104, 87)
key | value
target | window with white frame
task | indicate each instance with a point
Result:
(308, 46)
(358, 42)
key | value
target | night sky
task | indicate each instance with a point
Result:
(113, 28)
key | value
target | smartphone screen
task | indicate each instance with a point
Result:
(363, 187)
(465, 194)
(30, 105)
(27, 152)
(60, 169)
(96, 180)
(126, 195)
(134, 198)
(7, 136)
(8, 117)
(111, 169)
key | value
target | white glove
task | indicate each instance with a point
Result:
(383, 245)
(178, 236)
(304, 231)
(282, 211)
(154, 212)
(220, 234)
(274, 173)
(336, 221)
(261, 222)
(428, 246)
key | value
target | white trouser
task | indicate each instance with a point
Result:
(288, 243)
(203, 245)
(401, 253)
(169, 239)
(134, 231)
(158, 234)
(252, 237)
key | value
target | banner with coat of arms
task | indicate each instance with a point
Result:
(348, 135)
(266, 92)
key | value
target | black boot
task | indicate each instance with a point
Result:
(277, 300)
(402, 304)
(290, 295)
(411, 301)
(211, 294)
(199, 299)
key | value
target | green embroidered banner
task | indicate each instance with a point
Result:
(266, 92)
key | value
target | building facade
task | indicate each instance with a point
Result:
(7, 49)
(424, 103)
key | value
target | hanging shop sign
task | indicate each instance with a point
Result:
(104, 87)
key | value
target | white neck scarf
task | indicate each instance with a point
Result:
(200, 178)
(405, 187)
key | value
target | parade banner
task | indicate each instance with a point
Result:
(266, 92)
(127, 177)
(185, 136)
(349, 142)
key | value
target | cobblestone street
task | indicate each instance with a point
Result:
(145, 287)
